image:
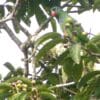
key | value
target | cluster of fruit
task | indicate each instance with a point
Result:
(19, 86)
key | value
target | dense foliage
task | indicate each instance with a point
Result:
(63, 66)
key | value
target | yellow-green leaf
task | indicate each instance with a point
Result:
(75, 52)
(44, 50)
(87, 77)
(47, 36)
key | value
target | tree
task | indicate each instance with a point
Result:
(62, 65)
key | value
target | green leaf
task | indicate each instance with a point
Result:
(8, 76)
(75, 52)
(19, 71)
(43, 51)
(40, 16)
(61, 58)
(31, 4)
(47, 96)
(1, 11)
(94, 44)
(4, 87)
(9, 66)
(4, 90)
(68, 67)
(93, 47)
(21, 10)
(97, 4)
(97, 88)
(43, 88)
(89, 89)
(84, 3)
(47, 36)
(77, 71)
(72, 70)
(18, 96)
(54, 26)
(95, 39)
(47, 4)
(53, 78)
(22, 96)
(87, 77)
(81, 97)
(74, 1)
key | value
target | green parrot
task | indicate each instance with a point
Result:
(70, 27)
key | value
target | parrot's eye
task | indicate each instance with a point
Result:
(54, 9)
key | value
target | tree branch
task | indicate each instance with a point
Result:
(12, 36)
(25, 31)
(42, 25)
(69, 5)
(10, 16)
(15, 7)
(26, 63)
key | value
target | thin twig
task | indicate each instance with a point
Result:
(71, 91)
(15, 7)
(67, 2)
(69, 5)
(39, 71)
(5, 19)
(62, 85)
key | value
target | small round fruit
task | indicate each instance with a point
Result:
(69, 20)
(53, 13)
(67, 25)
(19, 85)
(33, 82)
(84, 33)
(24, 89)
(24, 85)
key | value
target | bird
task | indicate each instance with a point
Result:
(69, 26)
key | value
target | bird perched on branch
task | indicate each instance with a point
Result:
(69, 25)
